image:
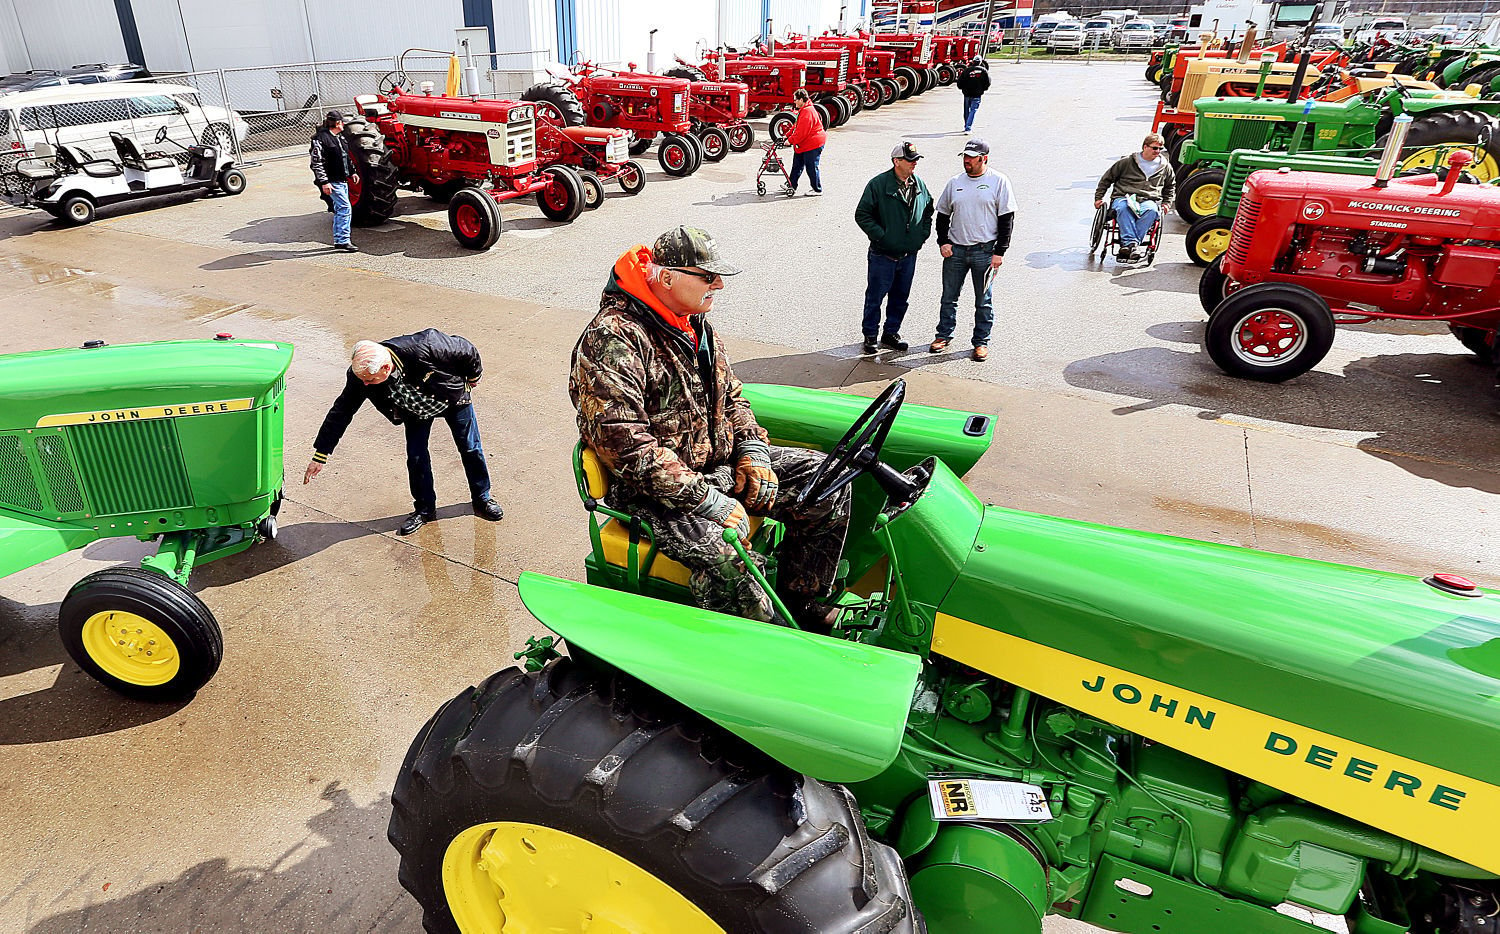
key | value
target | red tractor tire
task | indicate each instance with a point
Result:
(871, 95)
(889, 91)
(677, 156)
(555, 102)
(929, 77)
(1269, 332)
(562, 199)
(837, 103)
(779, 128)
(741, 137)
(697, 145)
(945, 74)
(632, 177)
(825, 114)
(854, 97)
(715, 143)
(474, 218)
(639, 144)
(593, 190)
(373, 198)
(907, 80)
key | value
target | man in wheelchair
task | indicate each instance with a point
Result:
(660, 408)
(1144, 186)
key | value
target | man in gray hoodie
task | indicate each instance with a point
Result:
(1144, 186)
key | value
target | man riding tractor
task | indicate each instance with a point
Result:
(660, 408)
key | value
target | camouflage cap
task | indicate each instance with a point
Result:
(690, 246)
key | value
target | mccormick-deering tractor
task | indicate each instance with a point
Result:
(1308, 249)
(1014, 715)
(471, 152)
(643, 104)
(177, 442)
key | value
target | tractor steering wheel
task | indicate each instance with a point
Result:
(392, 81)
(856, 452)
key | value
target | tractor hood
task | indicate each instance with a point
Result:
(1374, 694)
(75, 385)
(831, 709)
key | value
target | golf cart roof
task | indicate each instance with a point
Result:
(110, 90)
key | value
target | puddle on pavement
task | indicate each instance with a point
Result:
(42, 272)
(1245, 528)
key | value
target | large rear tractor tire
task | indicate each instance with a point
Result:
(1208, 238)
(373, 198)
(555, 102)
(684, 71)
(564, 198)
(676, 155)
(141, 633)
(536, 800)
(474, 218)
(1433, 135)
(639, 144)
(780, 126)
(1269, 332)
(1198, 194)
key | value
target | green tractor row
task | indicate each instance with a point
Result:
(1015, 715)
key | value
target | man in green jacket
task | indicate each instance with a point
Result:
(895, 212)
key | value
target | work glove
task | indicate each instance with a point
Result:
(725, 510)
(754, 477)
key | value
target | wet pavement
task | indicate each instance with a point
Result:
(261, 805)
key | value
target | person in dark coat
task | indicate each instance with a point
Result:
(972, 82)
(412, 380)
(333, 169)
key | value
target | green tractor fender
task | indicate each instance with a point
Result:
(827, 708)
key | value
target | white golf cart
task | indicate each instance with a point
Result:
(71, 185)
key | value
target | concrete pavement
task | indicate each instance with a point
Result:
(261, 805)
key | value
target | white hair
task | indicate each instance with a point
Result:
(653, 272)
(369, 358)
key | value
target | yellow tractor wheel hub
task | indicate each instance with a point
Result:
(1211, 243)
(527, 879)
(131, 648)
(1205, 199)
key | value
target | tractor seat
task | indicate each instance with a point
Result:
(130, 155)
(614, 536)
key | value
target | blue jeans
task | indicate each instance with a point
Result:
(887, 277)
(974, 262)
(342, 211)
(971, 107)
(465, 429)
(1133, 229)
(807, 160)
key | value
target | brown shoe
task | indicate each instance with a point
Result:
(939, 345)
(981, 353)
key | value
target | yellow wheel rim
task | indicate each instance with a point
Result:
(131, 648)
(1212, 243)
(526, 879)
(1485, 168)
(1205, 199)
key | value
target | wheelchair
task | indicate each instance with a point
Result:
(1104, 237)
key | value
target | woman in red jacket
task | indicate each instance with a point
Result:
(807, 139)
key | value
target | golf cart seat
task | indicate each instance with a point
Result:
(617, 537)
(76, 158)
(40, 165)
(130, 155)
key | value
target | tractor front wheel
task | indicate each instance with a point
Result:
(141, 633)
(1198, 195)
(907, 81)
(715, 143)
(676, 155)
(474, 218)
(1214, 286)
(741, 137)
(780, 125)
(632, 177)
(536, 800)
(871, 95)
(853, 98)
(593, 190)
(889, 91)
(945, 75)
(1269, 332)
(563, 198)
(1207, 238)
(1477, 340)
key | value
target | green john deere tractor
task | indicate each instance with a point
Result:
(178, 442)
(1357, 126)
(1015, 715)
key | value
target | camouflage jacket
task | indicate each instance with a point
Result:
(657, 411)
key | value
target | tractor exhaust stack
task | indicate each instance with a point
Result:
(1392, 154)
(1247, 44)
(1296, 90)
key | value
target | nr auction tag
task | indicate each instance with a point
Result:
(977, 799)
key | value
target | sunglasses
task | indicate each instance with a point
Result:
(1154, 146)
(709, 277)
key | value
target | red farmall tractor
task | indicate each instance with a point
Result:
(472, 153)
(718, 110)
(947, 58)
(643, 104)
(861, 79)
(1309, 249)
(771, 83)
(914, 73)
(827, 81)
(599, 154)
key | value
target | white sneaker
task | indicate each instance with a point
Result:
(813, 193)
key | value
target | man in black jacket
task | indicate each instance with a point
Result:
(412, 380)
(973, 81)
(333, 170)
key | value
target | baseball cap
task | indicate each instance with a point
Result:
(332, 117)
(691, 246)
(976, 147)
(906, 151)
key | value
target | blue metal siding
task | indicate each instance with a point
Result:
(567, 30)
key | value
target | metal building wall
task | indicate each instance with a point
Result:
(600, 23)
(53, 34)
(618, 31)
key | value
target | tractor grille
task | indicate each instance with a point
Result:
(617, 149)
(17, 488)
(1240, 235)
(1249, 134)
(1192, 89)
(131, 466)
(52, 453)
(520, 140)
(843, 69)
(1234, 184)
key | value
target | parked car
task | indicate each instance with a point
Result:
(1041, 31)
(1098, 32)
(1389, 27)
(78, 74)
(1136, 34)
(1066, 37)
(84, 116)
